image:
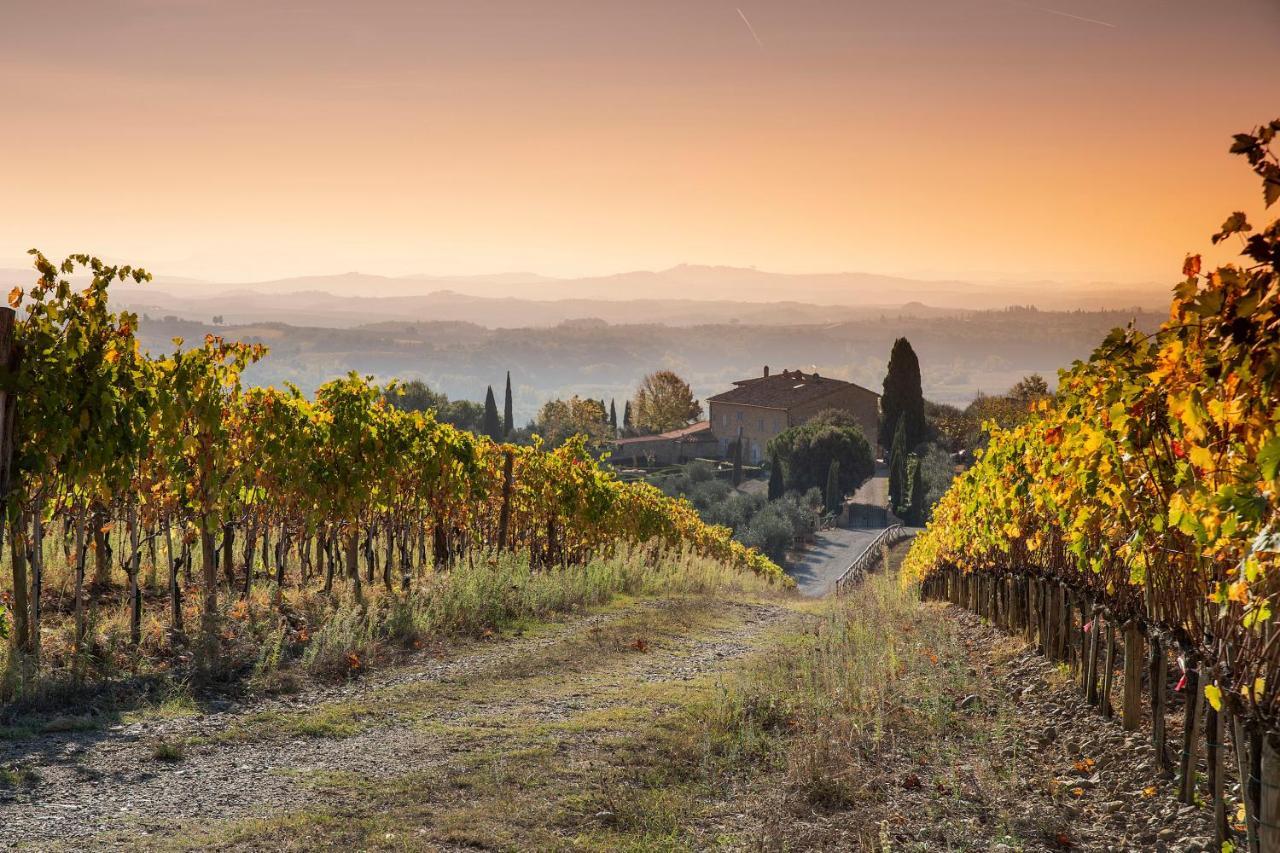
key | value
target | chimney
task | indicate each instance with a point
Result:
(766, 371)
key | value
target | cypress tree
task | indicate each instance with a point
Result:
(626, 417)
(613, 416)
(833, 486)
(902, 397)
(737, 462)
(776, 487)
(915, 492)
(508, 424)
(491, 426)
(898, 466)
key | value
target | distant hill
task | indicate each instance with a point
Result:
(683, 295)
(321, 308)
(711, 283)
(960, 355)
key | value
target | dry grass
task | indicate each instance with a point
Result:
(271, 647)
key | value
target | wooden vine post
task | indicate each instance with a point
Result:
(1132, 707)
(1190, 734)
(1108, 672)
(1215, 730)
(1091, 658)
(1159, 676)
(1269, 796)
(24, 636)
(1251, 770)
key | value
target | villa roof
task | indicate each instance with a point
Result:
(784, 390)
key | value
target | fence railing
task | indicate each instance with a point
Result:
(891, 535)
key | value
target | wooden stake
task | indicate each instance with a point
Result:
(1091, 660)
(135, 591)
(1215, 729)
(1042, 616)
(1269, 796)
(1158, 667)
(37, 584)
(1063, 616)
(1132, 708)
(9, 362)
(1253, 787)
(353, 562)
(1108, 672)
(1190, 736)
(18, 550)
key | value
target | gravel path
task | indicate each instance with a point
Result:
(827, 558)
(80, 785)
(874, 492)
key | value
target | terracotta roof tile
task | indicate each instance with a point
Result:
(784, 390)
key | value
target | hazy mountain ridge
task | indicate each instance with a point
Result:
(323, 308)
(959, 355)
(682, 295)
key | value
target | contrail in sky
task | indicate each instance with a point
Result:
(742, 15)
(1062, 14)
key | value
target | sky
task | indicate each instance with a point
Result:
(982, 139)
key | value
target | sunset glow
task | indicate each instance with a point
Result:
(972, 138)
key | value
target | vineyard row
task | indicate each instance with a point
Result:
(1146, 494)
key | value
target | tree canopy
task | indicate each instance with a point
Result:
(508, 422)
(902, 397)
(664, 402)
(492, 421)
(807, 451)
(558, 420)
(416, 396)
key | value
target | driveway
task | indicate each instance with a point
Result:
(827, 558)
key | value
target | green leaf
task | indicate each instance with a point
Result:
(1269, 458)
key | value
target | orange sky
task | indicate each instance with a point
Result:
(1074, 139)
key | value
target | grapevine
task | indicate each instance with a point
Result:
(1149, 483)
(171, 455)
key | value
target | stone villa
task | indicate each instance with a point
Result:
(760, 408)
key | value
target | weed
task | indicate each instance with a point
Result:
(169, 751)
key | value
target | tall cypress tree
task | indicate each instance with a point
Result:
(491, 426)
(737, 462)
(833, 486)
(915, 492)
(508, 424)
(898, 466)
(902, 399)
(776, 487)
(613, 416)
(626, 417)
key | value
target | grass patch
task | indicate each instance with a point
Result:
(17, 776)
(175, 704)
(168, 751)
(336, 720)
(269, 644)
